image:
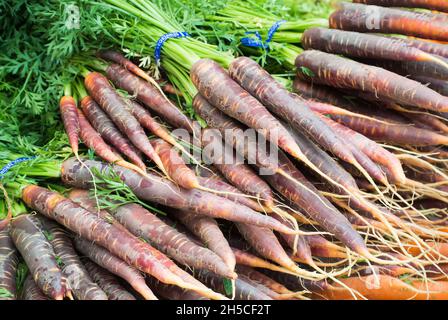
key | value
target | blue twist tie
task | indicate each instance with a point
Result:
(12, 163)
(161, 42)
(258, 43)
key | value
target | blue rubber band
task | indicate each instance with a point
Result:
(161, 42)
(12, 163)
(258, 43)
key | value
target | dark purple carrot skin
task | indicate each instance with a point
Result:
(264, 242)
(395, 134)
(164, 192)
(115, 106)
(325, 163)
(109, 132)
(148, 122)
(316, 206)
(89, 226)
(369, 147)
(93, 140)
(215, 85)
(358, 17)
(175, 165)
(69, 114)
(115, 265)
(243, 290)
(149, 95)
(26, 233)
(207, 229)
(355, 44)
(427, 46)
(219, 184)
(31, 291)
(171, 292)
(235, 170)
(295, 283)
(83, 287)
(439, 5)
(259, 277)
(108, 282)
(8, 265)
(412, 68)
(144, 224)
(440, 86)
(340, 72)
(251, 76)
(216, 119)
(322, 93)
(118, 58)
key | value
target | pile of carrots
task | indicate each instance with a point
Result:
(353, 205)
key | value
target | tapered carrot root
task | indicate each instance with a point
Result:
(427, 46)
(174, 164)
(296, 283)
(89, 226)
(247, 259)
(83, 287)
(370, 148)
(263, 279)
(69, 115)
(259, 83)
(321, 247)
(233, 169)
(230, 192)
(171, 292)
(109, 132)
(394, 134)
(410, 68)
(149, 123)
(383, 287)
(243, 290)
(107, 282)
(115, 106)
(266, 244)
(31, 291)
(239, 104)
(93, 140)
(440, 86)
(358, 17)
(167, 239)
(360, 45)
(318, 208)
(115, 265)
(309, 90)
(426, 4)
(340, 72)
(26, 233)
(216, 119)
(8, 266)
(118, 58)
(207, 229)
(164, 192)
(149, 95)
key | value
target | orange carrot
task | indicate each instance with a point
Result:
(118, 58)
(69, 115)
